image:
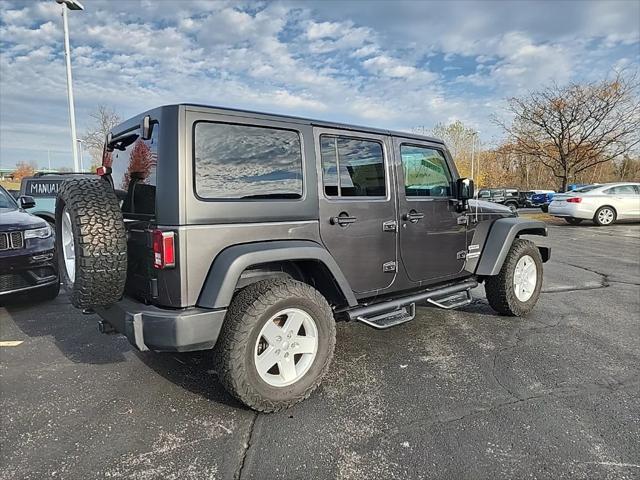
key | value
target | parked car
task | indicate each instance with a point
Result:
(26, 251)
(509, 197)
(541, 199)
(262, 230)
(43, 188)
(604, 204)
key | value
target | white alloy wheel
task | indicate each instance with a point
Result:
(286, 347)
(68, 246)
(525, 277)
(606, 216)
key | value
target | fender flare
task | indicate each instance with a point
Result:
(498, 243)
(225, 271)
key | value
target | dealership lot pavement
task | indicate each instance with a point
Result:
(452, 394)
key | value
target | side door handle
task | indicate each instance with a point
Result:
(413, 216)
(342, 220)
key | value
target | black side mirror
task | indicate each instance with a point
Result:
(464, 189)
(27, 202)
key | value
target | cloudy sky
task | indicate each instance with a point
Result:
(387, 64)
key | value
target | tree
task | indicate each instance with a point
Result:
(459, 139)
(141, 162)
(23, 169)
(104, 119)
(573, 128)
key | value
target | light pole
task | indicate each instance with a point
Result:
(80, 142)
(473, 153)
(70, 5)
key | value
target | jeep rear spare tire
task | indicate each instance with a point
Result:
(91, 242)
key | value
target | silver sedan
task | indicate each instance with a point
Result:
(604, 204)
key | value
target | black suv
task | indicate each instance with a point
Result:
(251, 234)
(509, 197)
(26, 251)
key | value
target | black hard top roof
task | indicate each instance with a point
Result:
(319, 123)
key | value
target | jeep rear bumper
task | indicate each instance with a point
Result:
(164, 330)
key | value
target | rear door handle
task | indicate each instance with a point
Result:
(343, 221)
(413, 216)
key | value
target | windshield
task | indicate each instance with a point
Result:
(6, 200)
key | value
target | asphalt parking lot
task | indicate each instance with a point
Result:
(452, 394)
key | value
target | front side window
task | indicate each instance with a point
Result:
(246, 162)
(426, 173)
(352, 167)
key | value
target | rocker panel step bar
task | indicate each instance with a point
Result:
(391, 319)
(391, 305)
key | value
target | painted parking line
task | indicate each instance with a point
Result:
(10, 343)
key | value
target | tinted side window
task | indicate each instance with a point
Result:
(242, 161)
(621, 190)
(426, 173)
(352, 167)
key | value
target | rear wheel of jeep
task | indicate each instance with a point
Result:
(276, 344)
(515, 290)
(91, 242)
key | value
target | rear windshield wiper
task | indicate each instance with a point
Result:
(122, 142)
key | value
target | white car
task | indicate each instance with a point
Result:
(604, 204)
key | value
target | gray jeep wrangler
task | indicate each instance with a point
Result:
(251, 234)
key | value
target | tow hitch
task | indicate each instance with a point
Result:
(105, 327)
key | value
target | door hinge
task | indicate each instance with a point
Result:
(461, 254)
(389, 267)
(390, 226)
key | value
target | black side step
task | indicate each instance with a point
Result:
(455, 300)
(389, 306)
(390, 319)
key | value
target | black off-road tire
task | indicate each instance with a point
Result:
(250, 309)
(100, 242)
(573, 220)
(500, 288)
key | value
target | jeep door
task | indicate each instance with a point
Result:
(432, 233)
(357, 206)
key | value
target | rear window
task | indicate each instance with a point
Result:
(587, 188)
(133, 165)
(236, 162)
(42, 187)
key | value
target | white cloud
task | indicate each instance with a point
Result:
(368, 63)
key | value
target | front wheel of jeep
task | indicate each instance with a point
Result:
(276, 344)
(515, 290)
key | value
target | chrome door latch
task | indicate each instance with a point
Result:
(390, 226)
(389, 267)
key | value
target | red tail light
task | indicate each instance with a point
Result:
(164, 252)
(574, 200)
